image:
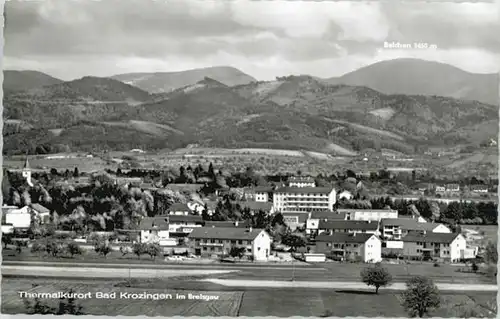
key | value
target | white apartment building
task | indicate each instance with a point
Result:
(304, 199)
(301, 181)
(368, 214)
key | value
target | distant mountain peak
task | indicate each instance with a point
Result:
(164, 82)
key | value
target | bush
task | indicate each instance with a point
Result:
(74, 249)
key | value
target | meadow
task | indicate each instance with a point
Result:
(243, 302)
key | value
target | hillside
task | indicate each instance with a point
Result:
(295, 113)
(25, 80)
(87, 89)
(420, 77)
(160, 82)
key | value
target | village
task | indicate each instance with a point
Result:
(312, 226)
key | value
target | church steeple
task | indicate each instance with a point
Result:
(27, 171)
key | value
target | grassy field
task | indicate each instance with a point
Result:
(242, 302)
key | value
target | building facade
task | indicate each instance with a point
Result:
(304, 199)
(446, 246)
(369, 214)
(347, 226)
(397, 228)
(218, 241)
(363, 247)
(301, 181)
(156, 230)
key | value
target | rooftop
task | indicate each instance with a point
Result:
(442, 238)
(39, 208)
(327, 214)
(232, 233)
(348, 224)
(344, 238)
(408, 224)
(183, 218)
(349, 210)
(304, 190)
(149, 223)
(179, 207)
(228, 224)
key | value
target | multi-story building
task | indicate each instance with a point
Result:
(301, 181)
(366, 247)
(369, 214)
(304, 199)
(447, 246)
(397, 228)
(208, 241)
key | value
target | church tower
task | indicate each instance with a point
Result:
(27, 172)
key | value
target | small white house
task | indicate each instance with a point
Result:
(155, 230)
(19, 217)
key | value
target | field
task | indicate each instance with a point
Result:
(242, 302)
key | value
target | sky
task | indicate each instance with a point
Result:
(265, 39)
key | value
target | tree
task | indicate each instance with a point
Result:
(420, 296)
(376, 276)
(139, 249)
(491, 253)
(103, 248)
(76, 173)
(153, 250)
(74, 249)
(294, 241)
(474, 267)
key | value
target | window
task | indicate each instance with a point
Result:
(212, 249)
(212, 241)
(204, 248)
(240, 242)
(220, 241)
(233, 241)
(258, 248)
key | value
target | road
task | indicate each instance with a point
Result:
(270, 272)
(350, 285)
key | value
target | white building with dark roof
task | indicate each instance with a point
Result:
(447, 246)
(208, 241)
(397, 228)
(304, 199)
(156, 230)
(364, 247)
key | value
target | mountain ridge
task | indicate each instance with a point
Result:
(422, 77)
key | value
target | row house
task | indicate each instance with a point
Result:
(397, 228)
(427, 245)
(369, 214)
(218, 241)
(301, 181)
(304, 199)
(365, 247)
(347, 226)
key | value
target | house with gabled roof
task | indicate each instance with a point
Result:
(397, 228)
(218, 241)
(429, 245)
(156, 230)
(363, 247)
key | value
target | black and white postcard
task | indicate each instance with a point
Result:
(250, 158)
